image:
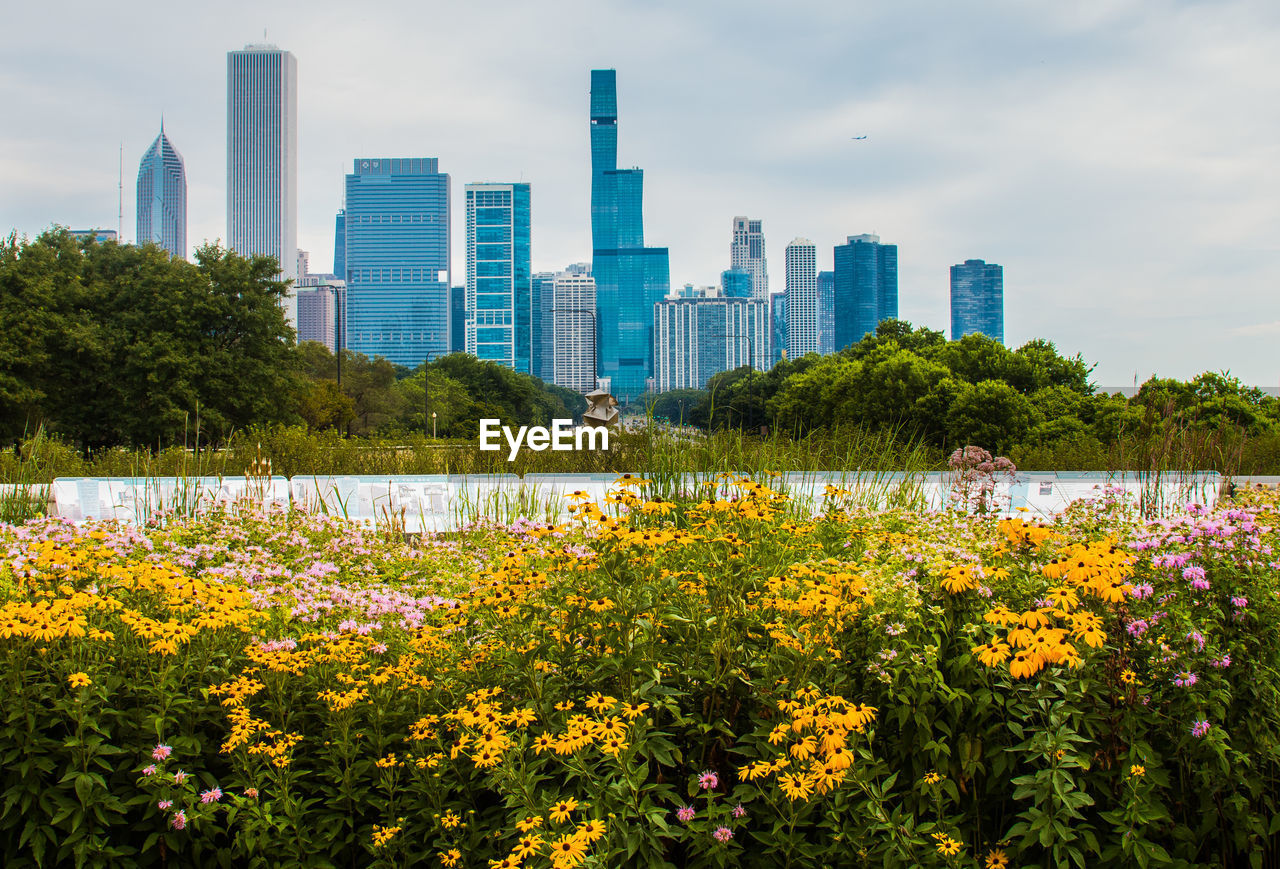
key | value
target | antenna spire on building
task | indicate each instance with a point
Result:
(120, 201)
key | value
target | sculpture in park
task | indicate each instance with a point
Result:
(602, 410)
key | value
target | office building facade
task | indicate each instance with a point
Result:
(630, 278)
(396, 259)
(457, 319)
(977, 299)
(262, 158)
(778, 318)
(802, 298)
(865, 287)
(162, 197)
(574, 336)
(826, 313)
(499, 276)
(542, 297)
(697, 337)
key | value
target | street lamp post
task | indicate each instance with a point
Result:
(433, 424)
(426, 397)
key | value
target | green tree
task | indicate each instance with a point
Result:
(990, 414)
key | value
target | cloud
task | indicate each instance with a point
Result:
(1115, 157)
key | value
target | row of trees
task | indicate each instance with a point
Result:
(951, 393)
(110, 344)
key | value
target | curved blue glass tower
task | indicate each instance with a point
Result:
(162, 197)
(630, 278)
(977, 299)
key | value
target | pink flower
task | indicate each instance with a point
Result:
(1200, 728)
(211, 796)
(164, 805)
(1185, 679)
(160, 752)
(686, 813)
(149, 770)
(251, 793)
(722, 834)
(708, 780)
(179, 820)
(739, 811)
(179, 777)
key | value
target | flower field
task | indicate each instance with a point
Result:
(710, 681)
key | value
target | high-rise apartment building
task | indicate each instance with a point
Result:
(826, 313)
(778, 316)
(320, 303)
(396, 259)
(541, 300)
(630, 278)
(746, 253)
(736, 283)
(865, 289)
(499, 285)
(698, 336)
(802, 298)
(977, 299)
(262, 157)
(574, 338)
(162, 197)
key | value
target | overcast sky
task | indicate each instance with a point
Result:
(1120, 159)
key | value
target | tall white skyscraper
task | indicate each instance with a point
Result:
(574, 313)
(802, 298)
(262, 158)
(746, 253)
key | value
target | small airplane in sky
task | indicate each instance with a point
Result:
(858, 138)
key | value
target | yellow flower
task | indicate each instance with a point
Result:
(634, 710)
(932, 778)
(383, 835)
(531, 823)
(1137, 770)
(560, 811)
(528, 845)
(591, 830)
(958, 579)
(79, 680)
(992, 654)
(996, 859)
(568, 851)
(451, 857)
(947, 846)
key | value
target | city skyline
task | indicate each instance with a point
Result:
(1110, 154)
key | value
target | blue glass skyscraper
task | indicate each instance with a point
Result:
(826, 313)
(977, 300)
(630, 278)
(499, 276)
(340, 244)
(865, 289)
(162, 197)
(396, 258)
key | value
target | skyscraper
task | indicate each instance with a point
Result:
(802, 298)
(865, 289)
(746, 253)
(162, 197)
(541, 300)
(396, 255)
(977, 299)
(340, 245)
(778, 316)
(630, 278)
(499, 286)
(696, 336)
(319, 309)
(826, 313)
(262, 157)
(574, 340)
(736, 283)
(457, 319)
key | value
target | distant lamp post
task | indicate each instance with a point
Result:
(426, 398)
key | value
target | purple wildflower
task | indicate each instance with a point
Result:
(708, 780)
(1185, 679)
(179, 777)
(160, 752)
(685, 813)
(1142, 591)
(211, 796)
(722, 834)
(1221, 663)
(1239, 602)
(179, 820)
(1200, 729)
(1137, 628)
(1197, 638)
(164, 805)
(739, 811)
(149, 770)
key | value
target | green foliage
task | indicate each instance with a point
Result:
(108, 344)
